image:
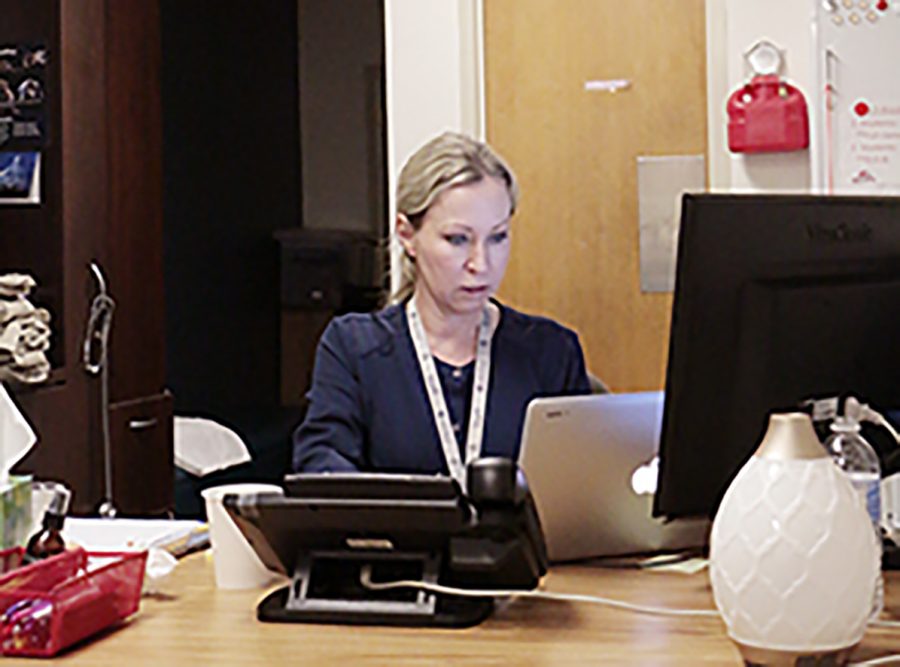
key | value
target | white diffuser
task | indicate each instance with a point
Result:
(793, 557)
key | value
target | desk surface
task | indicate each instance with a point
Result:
(196, 624)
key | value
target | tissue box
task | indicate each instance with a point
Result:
(15, 511)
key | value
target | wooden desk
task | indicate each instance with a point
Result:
(200, 625)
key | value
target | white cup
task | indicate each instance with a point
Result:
(235, 563)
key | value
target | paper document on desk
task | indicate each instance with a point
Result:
(176, 537)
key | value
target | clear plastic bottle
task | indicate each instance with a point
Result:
(856, 457)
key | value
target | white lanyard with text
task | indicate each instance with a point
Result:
(436, 396)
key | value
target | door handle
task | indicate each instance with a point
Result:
(142, 424)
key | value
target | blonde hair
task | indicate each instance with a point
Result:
(448, 160)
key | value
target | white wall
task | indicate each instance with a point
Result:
(733, 26)
(433, 61)
(434, 58)
(339, 57)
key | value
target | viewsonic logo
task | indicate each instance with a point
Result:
(841, 233)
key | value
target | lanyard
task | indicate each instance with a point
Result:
(436, 396)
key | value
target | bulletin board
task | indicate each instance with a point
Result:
(857, 46)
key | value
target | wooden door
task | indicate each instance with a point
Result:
(575, 237)
(141, 433)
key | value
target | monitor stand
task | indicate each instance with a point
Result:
(327, 588)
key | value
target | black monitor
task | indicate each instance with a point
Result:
(778, 298)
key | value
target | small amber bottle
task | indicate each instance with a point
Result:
(48, 541)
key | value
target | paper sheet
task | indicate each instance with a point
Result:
(134, 534)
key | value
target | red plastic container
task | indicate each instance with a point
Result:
(767, 115)
(49, 605)
(10, 559)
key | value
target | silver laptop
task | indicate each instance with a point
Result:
(584, 457)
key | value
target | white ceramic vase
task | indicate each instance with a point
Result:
(793, 557)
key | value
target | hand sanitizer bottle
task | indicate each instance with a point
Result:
(856, 457)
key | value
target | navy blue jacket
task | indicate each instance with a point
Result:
(368, 408)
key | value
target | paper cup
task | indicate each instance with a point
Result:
(235, 563)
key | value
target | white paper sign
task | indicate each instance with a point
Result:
(871, 155)
(858, 46)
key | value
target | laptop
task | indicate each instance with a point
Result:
(580, 455)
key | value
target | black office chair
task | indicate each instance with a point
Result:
(598, 386)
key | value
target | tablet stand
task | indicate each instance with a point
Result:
(326, 588)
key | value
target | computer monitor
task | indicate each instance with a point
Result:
(777, 298)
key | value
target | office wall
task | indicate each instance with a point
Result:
(733, 26)
(434, 76)
(340, 51)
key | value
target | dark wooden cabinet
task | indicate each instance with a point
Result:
(141, 435)
(101, 201)
(133, 240)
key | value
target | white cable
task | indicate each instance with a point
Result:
(882, 421)
(366, 580)
(96, 339)
(618, 604)
(366, 573)
(884, 660)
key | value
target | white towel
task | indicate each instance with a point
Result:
(14, 284)
(13, 308)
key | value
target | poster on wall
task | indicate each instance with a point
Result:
(857, 45)
(20, 177)
(23, 103)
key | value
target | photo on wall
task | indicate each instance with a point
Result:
(23, 99)
(20, 178)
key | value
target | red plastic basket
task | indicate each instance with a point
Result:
(51, 604)
(10, 559)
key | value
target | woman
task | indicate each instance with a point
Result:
(443, 375)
